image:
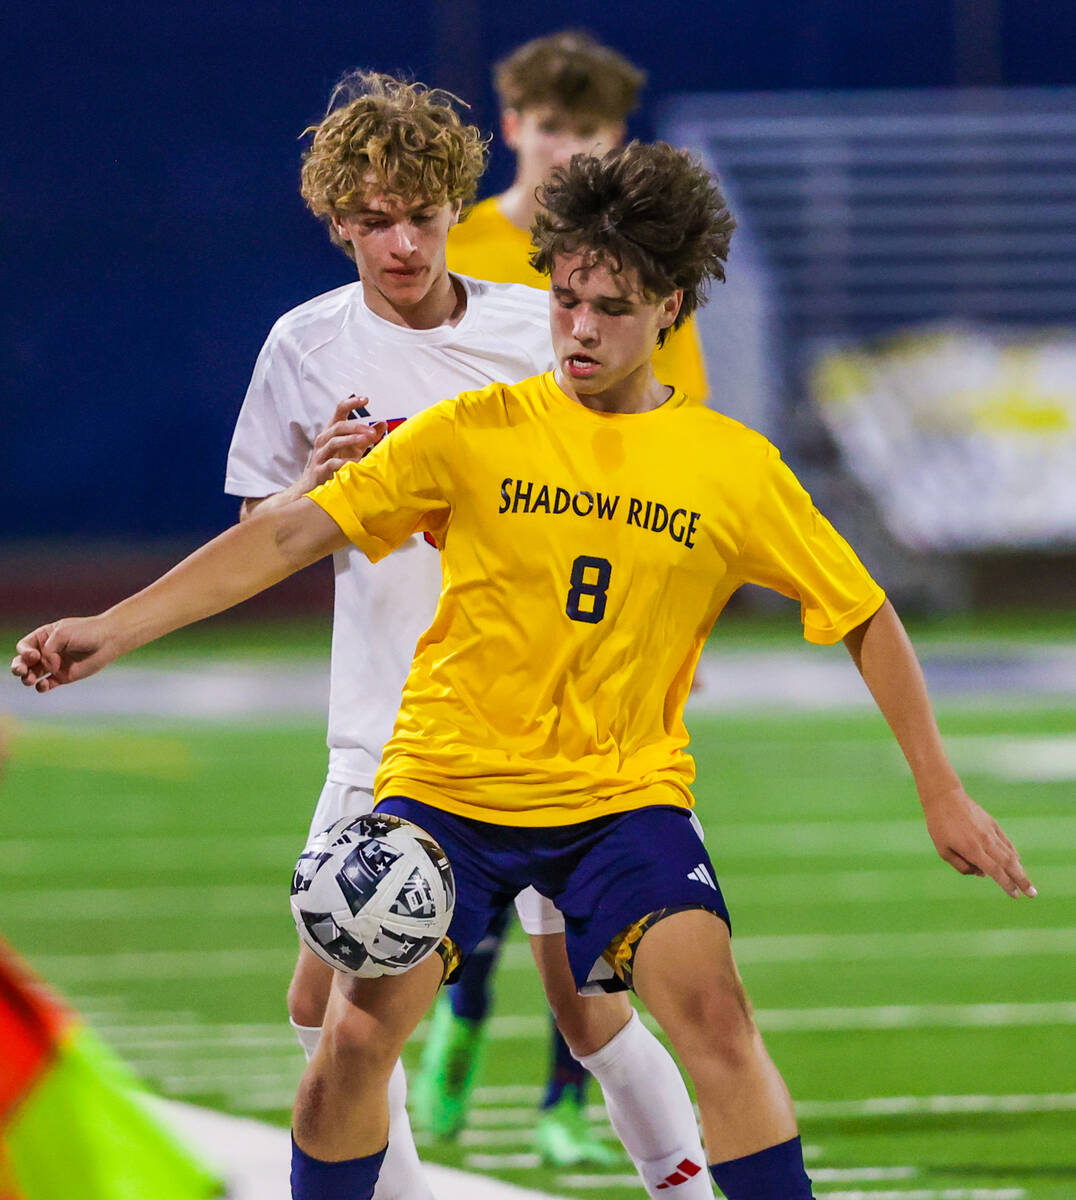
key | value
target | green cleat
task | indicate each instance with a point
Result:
(440, 1093)
(563, 1138)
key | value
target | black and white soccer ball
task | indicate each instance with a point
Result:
(372, 895)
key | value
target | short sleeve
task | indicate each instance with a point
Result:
(403, 486)
(269, 447)
(791, 548)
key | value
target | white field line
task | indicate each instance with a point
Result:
(65, 970)
(931, 881)
(904, 1106)
(916, 1016)
(928, 881)
(512, 1095)
(929, 1194)
(497, 1162)
(255, 1159)
(223, 1049)
(601, 1183)
(1035, 758)
(133, 903)
(862, 1174)
(525, 1161)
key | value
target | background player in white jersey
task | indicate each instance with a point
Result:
(551, 746)
(388, 170)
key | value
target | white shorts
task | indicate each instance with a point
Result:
(337, 800)
(537, 914)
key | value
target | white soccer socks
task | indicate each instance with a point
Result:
(402, 1177)
(650, 1110)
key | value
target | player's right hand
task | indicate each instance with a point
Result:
(344, 439)
(62, 652)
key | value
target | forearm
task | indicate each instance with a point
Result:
(884, 655)
(278, 500)
(238, 564)
(964, 834)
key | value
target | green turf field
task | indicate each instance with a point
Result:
(924, 1022)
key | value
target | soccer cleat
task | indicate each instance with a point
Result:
(563, 1138)
(440, 1092)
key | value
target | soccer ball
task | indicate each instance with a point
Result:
(372, 895)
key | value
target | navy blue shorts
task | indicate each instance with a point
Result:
(603, 875)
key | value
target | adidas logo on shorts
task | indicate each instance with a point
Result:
(701, 874)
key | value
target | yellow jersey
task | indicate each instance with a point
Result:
(487, 245)
(585, 558)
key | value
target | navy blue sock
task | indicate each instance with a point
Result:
(352, 1179)
(471, 994)
(773, 1174)
(565, 1072)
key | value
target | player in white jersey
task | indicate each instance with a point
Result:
(405, 336)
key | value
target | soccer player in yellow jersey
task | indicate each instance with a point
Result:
(560, 95)
(593, 523)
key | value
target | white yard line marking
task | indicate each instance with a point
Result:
(513, 1099)
(63, 969)
(132, 904)
(903, 1106)
(255, 1158)
(144, 1046)
(601, 1182)
(835, 889)
(26, 855)
(504, 1162)
(916, 1016)
(861, 1174)
(929, 1194)
(925, 882)
(803, 839)
(857, 947)
(1036, 758)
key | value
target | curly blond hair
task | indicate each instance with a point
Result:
(381, 134)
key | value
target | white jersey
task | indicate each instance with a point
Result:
(318, 354)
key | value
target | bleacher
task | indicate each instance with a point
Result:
(888, 241)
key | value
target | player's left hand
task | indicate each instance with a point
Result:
(63, 652)
(973, 843)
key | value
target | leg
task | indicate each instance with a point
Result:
(648, 1104)
(308, 994)
(747, 1117)
(341, 1119)
(402, 1177)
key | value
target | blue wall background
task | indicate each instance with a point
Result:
(152, 229)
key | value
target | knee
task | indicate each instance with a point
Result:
(355, 1044)
(718, 1031)
(587, 1023)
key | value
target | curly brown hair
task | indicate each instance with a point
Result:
(643, 207)
(571, 71)
(382, 134)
